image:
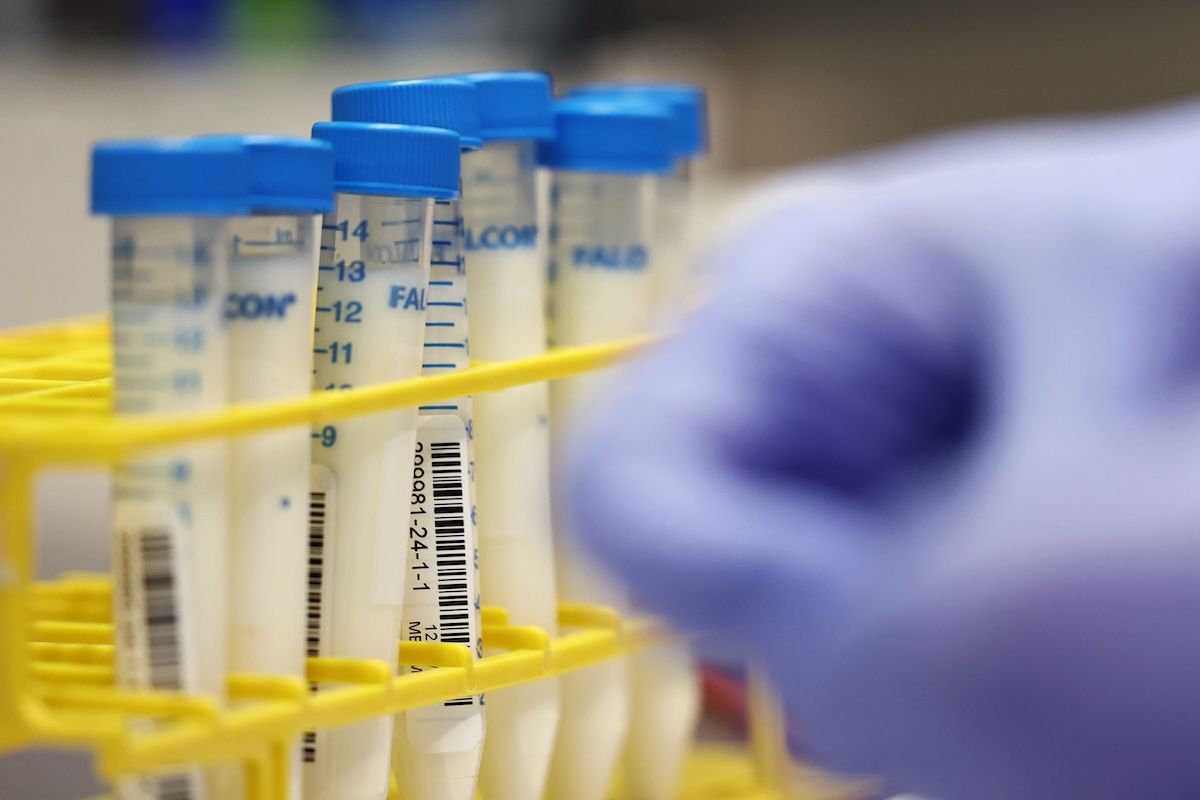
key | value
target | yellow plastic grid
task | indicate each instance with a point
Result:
(56, 674)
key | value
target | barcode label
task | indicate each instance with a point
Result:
(160, 608)
(317, 517)
(441, 603)
(320, 517)
(174, 787)
(447, 473)
(151, 619)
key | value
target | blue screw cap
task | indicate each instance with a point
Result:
(393, 160)
(513, 105)
(431, 102)
(607, 134)
(286, 173)
(687, 103)
(170, 176)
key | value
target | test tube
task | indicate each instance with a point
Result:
(606, 158)
(370, 327)
(436, 749)
(171, 201)
(664, 680)
(512, 442)
(687, 106)
(269, 312)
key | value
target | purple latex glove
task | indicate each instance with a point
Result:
(932, 454)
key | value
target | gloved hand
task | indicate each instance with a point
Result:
(932, 454)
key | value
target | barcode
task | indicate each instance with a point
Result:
(161, 608)
(173, 787)
(160, 605)
(446, 464)
(316, 578)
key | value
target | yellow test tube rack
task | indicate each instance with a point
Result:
(56, 651)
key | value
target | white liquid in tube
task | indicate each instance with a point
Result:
(269, 310)
(512, 451)
(170, 561)
(437, 749)
(664, 706)
(602, 288)
(372, 282)
(664, 688)
(673, 279)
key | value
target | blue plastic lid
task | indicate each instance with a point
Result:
(286, 173)
(606, 134)
(513, 105)
(431, 102)
(392, 160)
(170, 176)
(689, 109)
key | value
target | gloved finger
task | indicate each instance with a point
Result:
(1047, 654)
(735, 478)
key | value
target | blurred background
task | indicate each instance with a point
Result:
(789, 81)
